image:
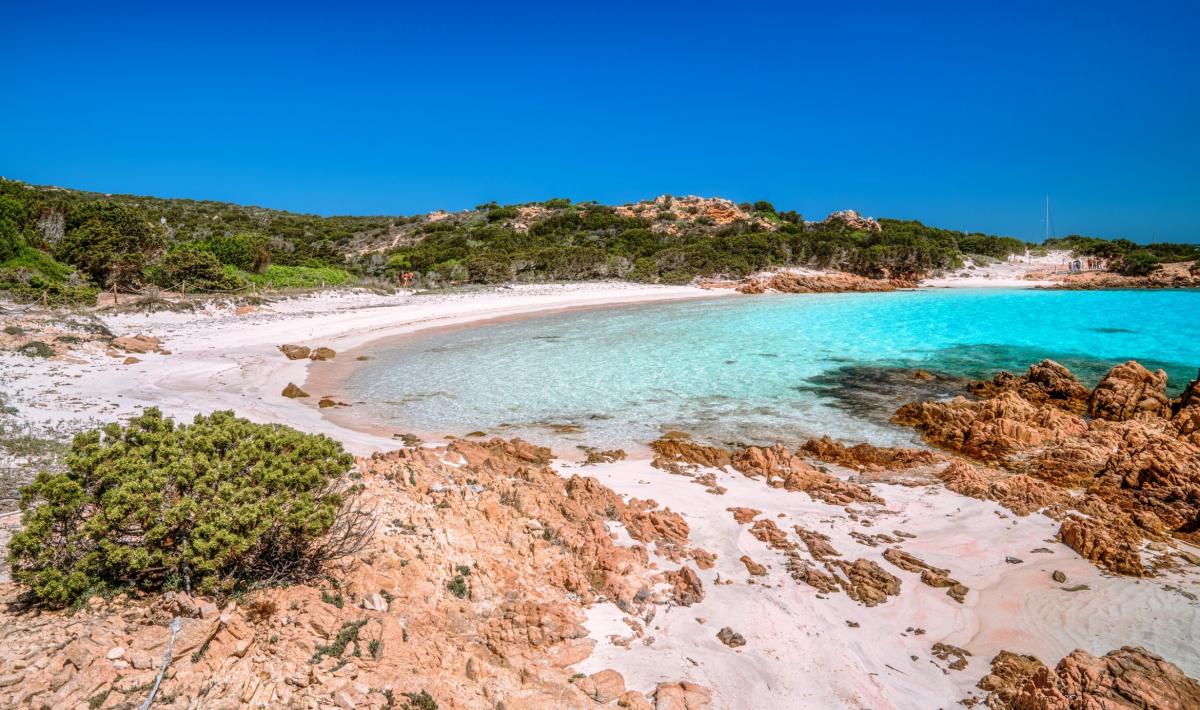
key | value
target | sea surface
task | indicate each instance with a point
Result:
(758, 369)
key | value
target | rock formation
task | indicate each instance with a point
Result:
(1130, 677)
(139, 344)
(1134, 458)
(292, 391)
(294, 352)
(1044, 383)
(854, 220)
(930, 575)
(866, 457)
(836, 282)
(529, 548)
(1130, 391)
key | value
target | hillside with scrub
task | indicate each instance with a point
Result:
(61, 246)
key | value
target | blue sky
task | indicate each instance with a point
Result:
(959, 114)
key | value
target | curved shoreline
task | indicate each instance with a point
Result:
(328, 378)
(226, 358)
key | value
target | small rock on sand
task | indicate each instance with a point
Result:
(294, 352)
(731, 638)
(1059, 576)
(293, 391)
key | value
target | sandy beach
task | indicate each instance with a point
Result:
(816, 650)
(222, 359)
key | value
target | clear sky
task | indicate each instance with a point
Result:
(954, 113)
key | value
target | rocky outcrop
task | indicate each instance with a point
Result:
(990, 429)
(753, 567)
(853, 220)
(866, 457)
(744, 515)
(1135, 459)
(1109, 546)
(323, 353)
(139, 344)
(1170, 275)
(1130, 391)
(865, 581)
(294, 352)
(835, 282)
(930, 575)
(1130, 677)
(292, 391)
(817, 543)
(686, 587)
(683, 695)
(533, 548)
(1044, 383)
(778, 466)
(781, 468)
(1017, 492)
(672, 453)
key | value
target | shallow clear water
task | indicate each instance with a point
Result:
(759, 369)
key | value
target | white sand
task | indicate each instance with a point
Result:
(220, 360)
(1010, 273)
(800, 651)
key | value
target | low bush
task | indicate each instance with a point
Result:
(36, 348)
(1137, 263)
(281, 277)
(213, 506)
(187, 267)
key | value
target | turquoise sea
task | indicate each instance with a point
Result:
(759, 369)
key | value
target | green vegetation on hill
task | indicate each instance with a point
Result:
(61, 246)
(1129, 258)
(211, 506)
(595, 241)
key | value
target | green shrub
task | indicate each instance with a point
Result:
(32, 275)
(246, 250)
(212, 506)
(109, 242)
(36, 348)
(300, 277)
(497, 214)
(458, 586)
(187, 267)
(1138, 263)
(419, 701)
(10, 240)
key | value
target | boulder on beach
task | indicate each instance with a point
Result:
(323, 353)
(140, 344)
(294, 352)
(293, 391)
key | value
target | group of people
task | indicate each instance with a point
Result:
(1091, 263)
